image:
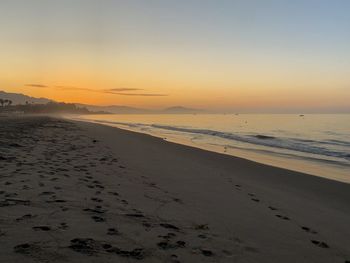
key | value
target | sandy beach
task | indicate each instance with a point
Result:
(81, 192)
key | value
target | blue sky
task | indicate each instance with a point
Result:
(303, 41)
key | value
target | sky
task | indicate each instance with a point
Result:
(210, 54)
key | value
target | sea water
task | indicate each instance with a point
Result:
(318, 144)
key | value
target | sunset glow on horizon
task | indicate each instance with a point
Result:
(219, 55)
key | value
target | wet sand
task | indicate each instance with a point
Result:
(82, 192)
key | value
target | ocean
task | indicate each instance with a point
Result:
(317, 144)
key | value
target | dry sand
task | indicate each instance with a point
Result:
(82, 192)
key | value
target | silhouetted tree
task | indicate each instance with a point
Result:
(2, 102)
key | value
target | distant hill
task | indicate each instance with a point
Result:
(115, 109)
(48, 108)
(180, 110)
(18, 98)
(130, 110)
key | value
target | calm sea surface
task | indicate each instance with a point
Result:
(314, 144)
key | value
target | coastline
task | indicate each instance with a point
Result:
(224, 208)
(247, 144)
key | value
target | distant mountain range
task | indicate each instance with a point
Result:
(18, 98)
(131, 110)
(180, 110)
(114, 109)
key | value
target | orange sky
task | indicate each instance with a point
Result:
(156, 56)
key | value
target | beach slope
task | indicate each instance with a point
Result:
(82, 192)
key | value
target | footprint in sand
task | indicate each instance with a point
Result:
(165, 245)
(57, 201)
(47, 193)
(24, 217)
(201, 227)
(113, 232)
(98, 210)
(238, 186)
(169, 226)
(25, 248)
(207, 253)
(98, 219)
(86, 246)
(96, 200)
(320, 243)
(42, 228)
(89, 246)
(168, 236)
(114, 193)
(309, 230)
(283, 217)
(63, 226)
(135, 215)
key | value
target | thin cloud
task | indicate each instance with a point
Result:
(75, 88)
(36, 85)
(142, 94)
(65, 87)
(115, 91)
(122, 89)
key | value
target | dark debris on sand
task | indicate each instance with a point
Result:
(89, 246)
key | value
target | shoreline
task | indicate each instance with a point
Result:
(123, 196)
(295, 163)
(247, 162)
